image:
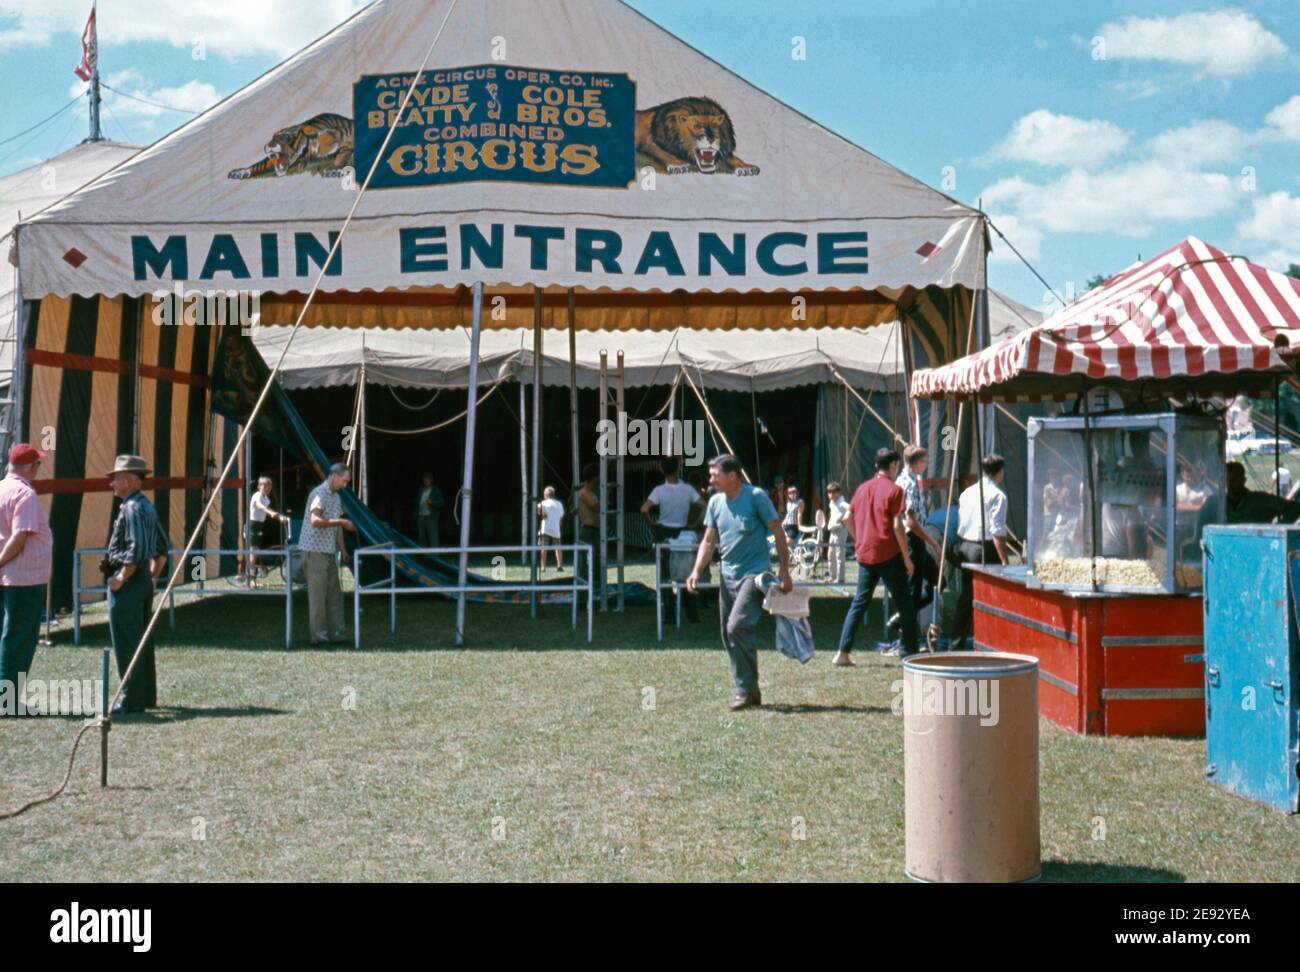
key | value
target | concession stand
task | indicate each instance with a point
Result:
(1122, 479)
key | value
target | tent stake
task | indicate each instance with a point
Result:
(467, 483)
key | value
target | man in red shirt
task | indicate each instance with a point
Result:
(880, 543)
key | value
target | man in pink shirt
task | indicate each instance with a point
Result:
(25, 556)
(880, 543)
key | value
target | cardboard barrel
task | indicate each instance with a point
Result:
(970, 758)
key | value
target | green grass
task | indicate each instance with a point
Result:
(530, 728)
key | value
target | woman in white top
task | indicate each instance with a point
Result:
(259, 508)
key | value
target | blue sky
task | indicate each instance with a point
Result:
(1093, 133)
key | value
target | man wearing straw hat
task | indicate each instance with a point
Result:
(136, 553)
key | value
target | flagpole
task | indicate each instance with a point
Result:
(95, 134)
(88, 70)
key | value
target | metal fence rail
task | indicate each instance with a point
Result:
(391, 552)
(202, 586)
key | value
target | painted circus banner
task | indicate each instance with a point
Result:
(495, 122)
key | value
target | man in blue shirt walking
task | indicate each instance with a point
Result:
(737, 521)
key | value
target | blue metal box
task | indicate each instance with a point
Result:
(1252, 654)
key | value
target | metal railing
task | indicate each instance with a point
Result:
(201, 588)
(391, 551)
(677, 587)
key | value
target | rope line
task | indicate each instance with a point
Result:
(445, 422)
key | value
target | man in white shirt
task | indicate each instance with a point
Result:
(837, 512)
(674, 501)
(981, 538)
(550, 514)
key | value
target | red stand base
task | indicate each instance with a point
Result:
(1109, 664)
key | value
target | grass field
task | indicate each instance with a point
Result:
(528, 756)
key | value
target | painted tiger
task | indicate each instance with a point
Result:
(322, 144)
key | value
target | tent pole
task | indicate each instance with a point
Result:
(248, 496)
(672, 415)
(18, 367)
(536, 495)
(602, 415)
(523, 472)
(619, 490)
(979, 474)
(467, 480)
(575, 464)
(1277, 437)
(753, 413)
(362, 469)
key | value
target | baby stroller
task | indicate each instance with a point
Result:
(808, 553)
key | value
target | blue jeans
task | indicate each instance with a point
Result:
(894, 575)
(22, 607)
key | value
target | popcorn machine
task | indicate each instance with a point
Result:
(1117, 503)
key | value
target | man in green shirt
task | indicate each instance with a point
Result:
(1242, 505)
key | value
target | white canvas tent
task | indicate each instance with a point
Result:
(327, 357)
(29, 191)
(246, 194)
(761, 361)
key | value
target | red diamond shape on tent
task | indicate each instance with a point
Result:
(75, 257)
(926, 249)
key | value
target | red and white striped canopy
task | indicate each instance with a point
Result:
(1192, 320)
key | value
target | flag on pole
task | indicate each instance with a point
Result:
(89, 50)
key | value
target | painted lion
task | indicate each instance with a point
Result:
(689, 135)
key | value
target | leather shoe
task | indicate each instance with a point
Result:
(753, 700)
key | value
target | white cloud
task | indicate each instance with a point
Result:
(135, 97)
(1136, 90)
(1045, 138)
(229, 28)
(1127, 200)
(1207, 140)
(1273, 226)
(1285, 119)
(1223, 43)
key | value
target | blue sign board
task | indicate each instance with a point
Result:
(496, 123)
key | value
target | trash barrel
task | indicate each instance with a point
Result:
(970, 767)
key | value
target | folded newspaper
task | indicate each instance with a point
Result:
(793, 632)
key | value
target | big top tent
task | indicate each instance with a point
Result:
(567, 144)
